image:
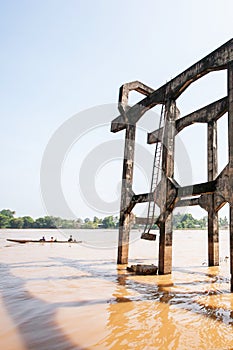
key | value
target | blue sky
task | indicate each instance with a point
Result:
(59, 58)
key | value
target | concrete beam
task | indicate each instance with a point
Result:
(221, 195)
(168, 193)
(203, 189)
(124, 94)
(212, 154)
(212, 163)
(143, 198)
(197, 189)
(181, 193)
(209, 113)
(126, 195)
(223, 188)
(187, 202)
(230, 169)
(142, 220)
(217, 60)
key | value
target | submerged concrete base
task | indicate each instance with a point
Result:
(143, 269)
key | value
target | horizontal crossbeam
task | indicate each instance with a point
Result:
(209, 113)
(217, 60)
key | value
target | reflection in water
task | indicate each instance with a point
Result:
(139, 325)
(158, 315)
(77, 298)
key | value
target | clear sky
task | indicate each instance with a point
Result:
(59, 58)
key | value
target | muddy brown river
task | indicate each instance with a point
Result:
(67, 297)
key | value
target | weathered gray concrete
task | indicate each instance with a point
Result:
(143, 269)
(210, 195)
(165, 221)
(212, 163)
(216, 60)
(126, 195)
(127, 174)
(206, 114)
(230, 171)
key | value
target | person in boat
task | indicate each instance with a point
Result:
(70, 239)
(42, 239)
(51, 239)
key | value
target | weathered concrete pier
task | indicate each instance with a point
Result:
(211, 195)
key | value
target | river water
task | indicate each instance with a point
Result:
(63, 297)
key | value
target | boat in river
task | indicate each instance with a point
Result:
(41, 241)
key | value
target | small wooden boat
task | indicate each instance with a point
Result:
(40, 241)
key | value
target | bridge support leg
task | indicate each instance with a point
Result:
(212, 161)
(165, 225)
(231, 246)
(213, 238)
(165, 247)
(230, 141)
(123, 243)
(126, 195)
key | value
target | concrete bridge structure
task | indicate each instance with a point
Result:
(211, 195)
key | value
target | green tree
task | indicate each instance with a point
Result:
(89, 225)
(223, 222)
(203, 222)
(4, 221)
(78, 223)
(16, 223)
(28, 222)
(7, 212)
(108, 222)
(116, 221)
(96, 220)
(50, 222)
(184, 221)
(56, 221)
(47, 222)
(176, 220)
(40, 223)
(68, 223)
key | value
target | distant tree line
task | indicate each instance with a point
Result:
(180, 221)
(8, 220)
(187, 221)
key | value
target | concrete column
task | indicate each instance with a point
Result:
(165, 225)
(165, 247)
(212, 161)
(126, 195)
(230, 140)
(231, 246)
